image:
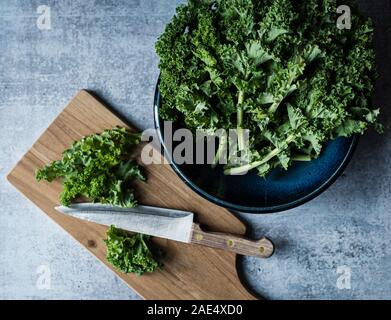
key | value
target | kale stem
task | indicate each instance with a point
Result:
(239, 128)
(256, 164)
(250, 166)
(141, 237)
(273, 108)
(222, 147)
(301, 157)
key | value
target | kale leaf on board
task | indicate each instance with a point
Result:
(280, 68)
(131, 253)
(98, 167)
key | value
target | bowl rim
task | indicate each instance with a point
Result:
(245, 209)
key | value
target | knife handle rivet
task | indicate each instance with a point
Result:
(261, 249)
(230, 243)
(199, 237)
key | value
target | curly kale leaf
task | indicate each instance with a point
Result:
(131, 253)
(264, 65)
(98, 167)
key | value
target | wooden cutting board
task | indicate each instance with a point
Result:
(190, 272)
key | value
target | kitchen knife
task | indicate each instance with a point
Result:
(168, 224)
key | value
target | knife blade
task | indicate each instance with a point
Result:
(165, 223)
(159, 222)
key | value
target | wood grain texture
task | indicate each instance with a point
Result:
(190, 272)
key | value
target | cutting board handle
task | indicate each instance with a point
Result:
(263, 248)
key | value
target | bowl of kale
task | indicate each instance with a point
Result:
(295, 80)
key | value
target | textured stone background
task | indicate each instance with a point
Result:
(108, 47)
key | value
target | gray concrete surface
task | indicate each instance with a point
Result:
(108, 47)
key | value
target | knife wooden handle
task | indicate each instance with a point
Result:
(263, 248)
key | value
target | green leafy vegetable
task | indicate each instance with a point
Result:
(98, 167)
(280, 68)
(131, 252)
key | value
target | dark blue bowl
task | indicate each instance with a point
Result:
(280, 190)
